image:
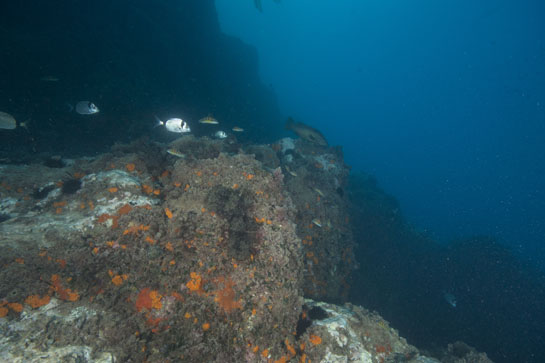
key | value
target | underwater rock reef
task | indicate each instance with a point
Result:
(315, 178)
(207, 255)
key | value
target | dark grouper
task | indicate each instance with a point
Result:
(306, 132)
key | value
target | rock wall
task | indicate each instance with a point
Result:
(167, 258)
(141, 255)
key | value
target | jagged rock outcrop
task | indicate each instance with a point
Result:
(141, 255)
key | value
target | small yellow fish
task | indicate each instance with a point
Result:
(238, 129)
(175, 153)
(320, 193)
(317, 222)
(208, 120)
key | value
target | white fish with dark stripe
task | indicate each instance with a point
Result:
(220, 135)
(86, 108)
(174, 125)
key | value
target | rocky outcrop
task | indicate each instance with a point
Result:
(139, 255)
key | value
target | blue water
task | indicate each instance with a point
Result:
(444, 102)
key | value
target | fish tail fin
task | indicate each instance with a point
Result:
(69, 107)
(24, 125)
(290, 123)
(158, 122)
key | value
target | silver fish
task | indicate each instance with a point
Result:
(220, 135)
(174, 125)
(7, 121)
(86, 108)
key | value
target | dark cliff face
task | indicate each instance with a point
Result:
(133, 59)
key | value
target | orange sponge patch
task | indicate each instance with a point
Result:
(35, 301)
(149, 299)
